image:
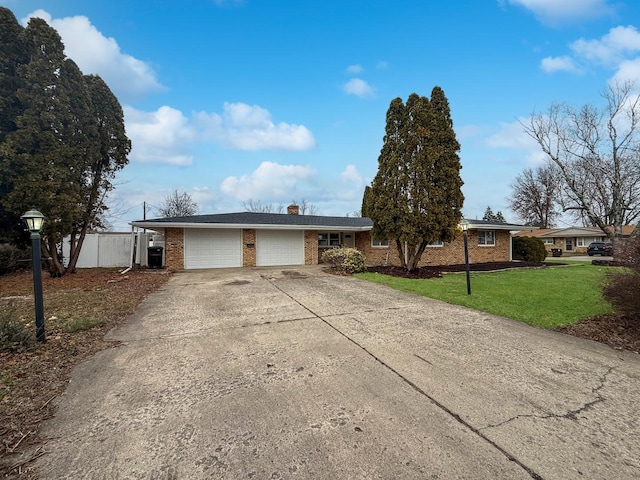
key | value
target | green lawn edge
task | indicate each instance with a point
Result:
(549, 297)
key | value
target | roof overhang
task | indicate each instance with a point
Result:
(499, 226)
(257, 226)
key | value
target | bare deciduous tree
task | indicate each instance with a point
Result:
(304, 207)
(597, 152)
(535, 196)
(257, 206)
(178, 204)
(307, 208)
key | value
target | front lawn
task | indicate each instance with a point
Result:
(547, 297)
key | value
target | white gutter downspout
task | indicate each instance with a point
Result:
(511, 233)
(133, 237)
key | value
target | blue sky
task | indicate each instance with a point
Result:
(259, 100)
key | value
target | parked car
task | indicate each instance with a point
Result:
(600, 248)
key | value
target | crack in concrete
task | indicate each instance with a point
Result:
(447, 410)
(570, 414)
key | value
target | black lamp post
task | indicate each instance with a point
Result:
(465, 227)
(34, 220)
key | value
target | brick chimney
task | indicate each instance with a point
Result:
(293, 209)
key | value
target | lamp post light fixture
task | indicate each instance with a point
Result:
(465, 226)
(34, 220)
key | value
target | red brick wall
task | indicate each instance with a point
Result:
(449, 254)
(248, 253)
(311, 247)
(174, 248)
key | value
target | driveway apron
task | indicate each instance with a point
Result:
(293, 373)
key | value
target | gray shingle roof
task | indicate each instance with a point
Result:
(254, 218)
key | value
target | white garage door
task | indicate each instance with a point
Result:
(212, 248)
(277, 247)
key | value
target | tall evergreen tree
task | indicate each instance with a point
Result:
(489, 216)
(416, 196)
(63, 140)
(13, 53)
(107, 155)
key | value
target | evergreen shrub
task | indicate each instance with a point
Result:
(529, 249)
(344, 260)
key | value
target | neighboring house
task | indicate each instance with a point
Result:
(268, 239)
(572, 239)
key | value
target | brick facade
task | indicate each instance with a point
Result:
(248, 251)
(449, 254)
(174, 248)
(311, 247)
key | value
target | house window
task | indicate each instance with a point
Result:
(329, 239)
(585, 241)
(377, 242)
(486, 238)
(439, 243)
(548, 241)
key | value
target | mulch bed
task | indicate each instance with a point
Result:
(617, 331)
(437, 271)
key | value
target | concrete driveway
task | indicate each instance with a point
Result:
(293, 373)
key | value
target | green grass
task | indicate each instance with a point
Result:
(549, 297)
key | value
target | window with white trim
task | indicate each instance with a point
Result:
(329, 239)
(378, 242)
(439, 243)
(585, 241)
(486, 238)
(548, 241)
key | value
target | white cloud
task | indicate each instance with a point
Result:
(512, 135)
(612, 48)
(270, 182)
(618, 50)
(351, 174)
(559, 64)
(128, 77)
(354, 69)
(559, 11)
(358, 87)
(250, 127)
(628, 71)
(351, 184)
(162, 136)
(382, 65)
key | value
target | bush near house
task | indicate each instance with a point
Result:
(344, 260)
(529, 249)
(621, 289)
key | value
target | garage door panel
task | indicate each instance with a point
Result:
(213, 248)
(279, 247)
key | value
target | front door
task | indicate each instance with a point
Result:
(568, 244)
(348, 239)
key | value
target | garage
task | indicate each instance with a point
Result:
(212, 248)
(279, 247)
